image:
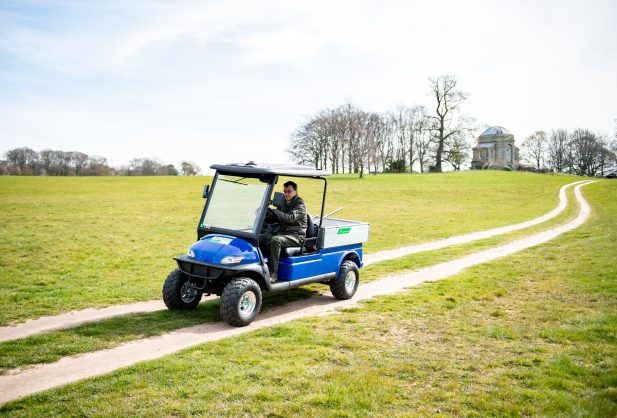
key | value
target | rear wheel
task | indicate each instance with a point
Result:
(178, 293)
(240, 301)
(346, 283)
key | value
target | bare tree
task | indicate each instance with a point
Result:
(423, 145)
(189, 168)
(587, 151)
(47, 162)
(377, 131)
(22, 160)
(401, 120)
(373, 137)
(448, 99)
(534, 146)
(167, 170)
(386, 146)
(456, 151)
(423, 137)
(353, 121)
(97, 166)
(145, 167)
(309, 144)
(335, 125)
(557, 150)
(80, 162)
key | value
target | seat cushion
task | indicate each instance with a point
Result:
(291, 251)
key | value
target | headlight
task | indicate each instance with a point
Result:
(232, 260)
(190, 253)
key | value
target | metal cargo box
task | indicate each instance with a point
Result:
(339, 232)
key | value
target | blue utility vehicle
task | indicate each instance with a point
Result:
(227, 260)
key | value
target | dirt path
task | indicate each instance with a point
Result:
(474, 236)
(22, 382)
(74, 318)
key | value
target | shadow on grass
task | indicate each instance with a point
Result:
(52, 346)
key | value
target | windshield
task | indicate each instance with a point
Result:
(236, 203)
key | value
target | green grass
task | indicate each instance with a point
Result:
(50, 347)
(534, 334)
(71, 243)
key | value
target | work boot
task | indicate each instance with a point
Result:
(273, 278)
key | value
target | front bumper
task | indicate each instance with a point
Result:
(194, 268)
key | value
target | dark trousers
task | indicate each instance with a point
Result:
(276, 243)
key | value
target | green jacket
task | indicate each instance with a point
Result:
(292, 218)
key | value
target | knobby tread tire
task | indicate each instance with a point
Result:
(231, 297)
(337, 286)
(171, 292)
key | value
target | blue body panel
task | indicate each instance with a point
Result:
(213, 248)
(325, 261)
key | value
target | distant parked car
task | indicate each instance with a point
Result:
(611, 175)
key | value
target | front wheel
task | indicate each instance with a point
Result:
(240, 301)
(178, 294)
(346, 283)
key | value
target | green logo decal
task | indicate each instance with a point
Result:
(220, 240)
(345, 230)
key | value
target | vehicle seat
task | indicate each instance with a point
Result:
(310, 242)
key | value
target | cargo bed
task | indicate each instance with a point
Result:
(339, 232)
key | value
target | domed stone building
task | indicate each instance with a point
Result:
(495, 150)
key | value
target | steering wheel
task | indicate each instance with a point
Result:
(271, 221)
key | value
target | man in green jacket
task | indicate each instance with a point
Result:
(291, 216)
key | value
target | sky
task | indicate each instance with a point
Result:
(230, 81)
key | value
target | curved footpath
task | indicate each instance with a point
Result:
(22, 382)
(74, 318)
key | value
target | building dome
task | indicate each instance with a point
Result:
(495, 130)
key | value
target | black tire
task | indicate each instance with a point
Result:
(240, 301)
(176, 293)
(346, 283)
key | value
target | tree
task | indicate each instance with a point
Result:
(400, 121)
(423, 138)
(335, 124)
(345, 136)
(588, 152)
(22, 160)
(448, 99)
(80, 162)
(557, 150)
(372, 136)
(456, 151)
(189, 168)
(395, 166)
(97, 166)
(167, 170)
(385, 146)
(309, 143)
(534, 146)
(143, 167)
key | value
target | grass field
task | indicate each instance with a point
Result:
(531, 335)
(70, 243)
(109, 333)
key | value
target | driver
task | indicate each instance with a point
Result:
(291, 216)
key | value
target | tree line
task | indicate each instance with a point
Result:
(582, 152)
(349, 139)
(28, 162)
